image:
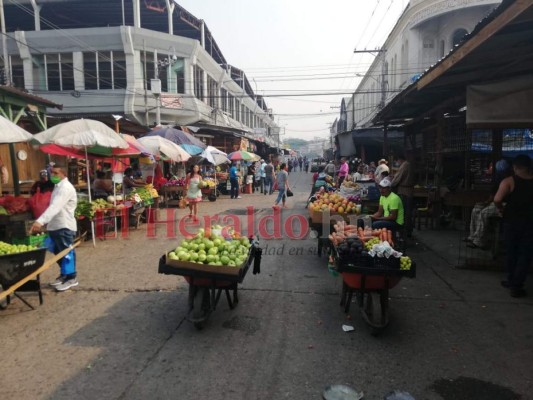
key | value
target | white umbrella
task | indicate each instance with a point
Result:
(161, 146)
(214, 156)
(12, 133)
(82, 133)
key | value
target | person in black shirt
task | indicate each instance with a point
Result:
(43, 184)
(517, 194)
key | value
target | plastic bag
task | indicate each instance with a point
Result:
(39, 202)
(68, 263)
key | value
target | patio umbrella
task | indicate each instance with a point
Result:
(12, 133)
(242, 155)
(158, 146)
(188, 142)
(82, 133)
(214, 155)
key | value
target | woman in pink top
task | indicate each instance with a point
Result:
(343, 171)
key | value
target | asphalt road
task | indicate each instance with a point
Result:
(122, 333)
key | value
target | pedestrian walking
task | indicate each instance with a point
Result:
(234, 181)
(344, 169)
(61, 226)
(283, 185)
(517, 193)
(262, 176)
(269, 178)
(194, 191)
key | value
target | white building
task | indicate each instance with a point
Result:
(100, 56)
(426, 32)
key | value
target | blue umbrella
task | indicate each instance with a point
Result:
(188, 142)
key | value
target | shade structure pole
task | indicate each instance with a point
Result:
(89, 190)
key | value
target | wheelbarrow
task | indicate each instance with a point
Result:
(207, 282)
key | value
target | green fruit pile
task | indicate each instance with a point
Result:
(6, 248)
(212, 250)
(371, 242)
(405, 263)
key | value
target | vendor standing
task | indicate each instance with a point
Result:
(517, 193)
(344, 169)
(61, 226)
(129, 182)
(403, 183)
(390, 213)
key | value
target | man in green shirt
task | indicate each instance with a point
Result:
(390, 214)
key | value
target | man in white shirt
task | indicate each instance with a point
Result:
(382, 166)
(263, 175)
(61, 226)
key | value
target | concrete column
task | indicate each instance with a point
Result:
(27, 62)
(36, 14)
(79, 78)
(202, 30)
(188, 76)
(137, 13)
(170, 11)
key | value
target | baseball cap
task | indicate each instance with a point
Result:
(43, 172)
(383, 161)
(385, 183)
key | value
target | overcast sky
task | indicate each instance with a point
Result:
(298, 46)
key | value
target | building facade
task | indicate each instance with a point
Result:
(425, 33)
(107, 56)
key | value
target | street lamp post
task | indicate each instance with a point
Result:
(156, 91)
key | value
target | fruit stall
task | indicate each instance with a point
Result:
(370, 266)
(172, 192)
(212, 262)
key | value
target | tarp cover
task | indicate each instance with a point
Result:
(500, 104)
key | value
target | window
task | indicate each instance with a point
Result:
(53, 72)
(212, 92)
(231, 105)
(119, 70)
(199, 83)
(428, 43)
(458, 36)
(148, 68)
(17, 72)
(224, 99)
(104, 70)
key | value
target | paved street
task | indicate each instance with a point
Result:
(121, 334)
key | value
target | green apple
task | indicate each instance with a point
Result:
(185, 256)
(213, 250)
(193, 257)
(225, 260)
(232, 264)
(202, 257)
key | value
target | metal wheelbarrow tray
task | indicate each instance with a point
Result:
(206, 283)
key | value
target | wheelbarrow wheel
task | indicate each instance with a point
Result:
(4, 302)
(201, 307)
(376, 311)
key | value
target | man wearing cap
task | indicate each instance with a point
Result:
(390, 213)
(382, 167)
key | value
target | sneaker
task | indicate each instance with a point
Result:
(59, 280)
(67, 285)
(238, 197)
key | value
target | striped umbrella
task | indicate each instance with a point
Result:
(242, 155)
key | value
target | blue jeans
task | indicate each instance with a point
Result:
(63, 239)
(234, 191)
(518, 236)
(269, 185)
(281, 195)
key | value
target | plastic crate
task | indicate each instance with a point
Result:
(32, 240)
(15, 267)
